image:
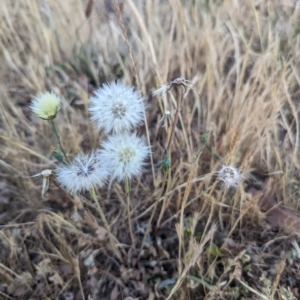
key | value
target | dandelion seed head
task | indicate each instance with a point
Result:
(230, 176)
(124, 155)
(46, 105)
(85, 172)
(116, 108)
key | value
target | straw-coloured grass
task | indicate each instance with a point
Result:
(192, 235)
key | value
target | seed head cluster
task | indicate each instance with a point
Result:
(116, 109)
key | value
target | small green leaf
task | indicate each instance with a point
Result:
(58, 156)
(214, 251)
(166, 163)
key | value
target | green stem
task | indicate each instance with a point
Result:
(112, 239)
(215, 154)
(127, 190)
(58, 139)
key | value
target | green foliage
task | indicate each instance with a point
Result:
(166, 163)
(58, 156)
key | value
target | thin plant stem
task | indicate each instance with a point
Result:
(221, 211)
(112, 239)
(165, 202)
(243, 212)
(152, 213)
(179, 90)
(183, 204)
(212, 209)
(168, 127)
(124, 33)
(216, 156)
(192, 173)
(134, 71)
(59, 141)
(127, 190)
(86, 215)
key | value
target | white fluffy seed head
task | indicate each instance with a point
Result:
(230, 176)
(85, 172)
(46, 105)
(124, 155)
(116, 108)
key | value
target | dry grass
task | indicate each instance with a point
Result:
(243, 60)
